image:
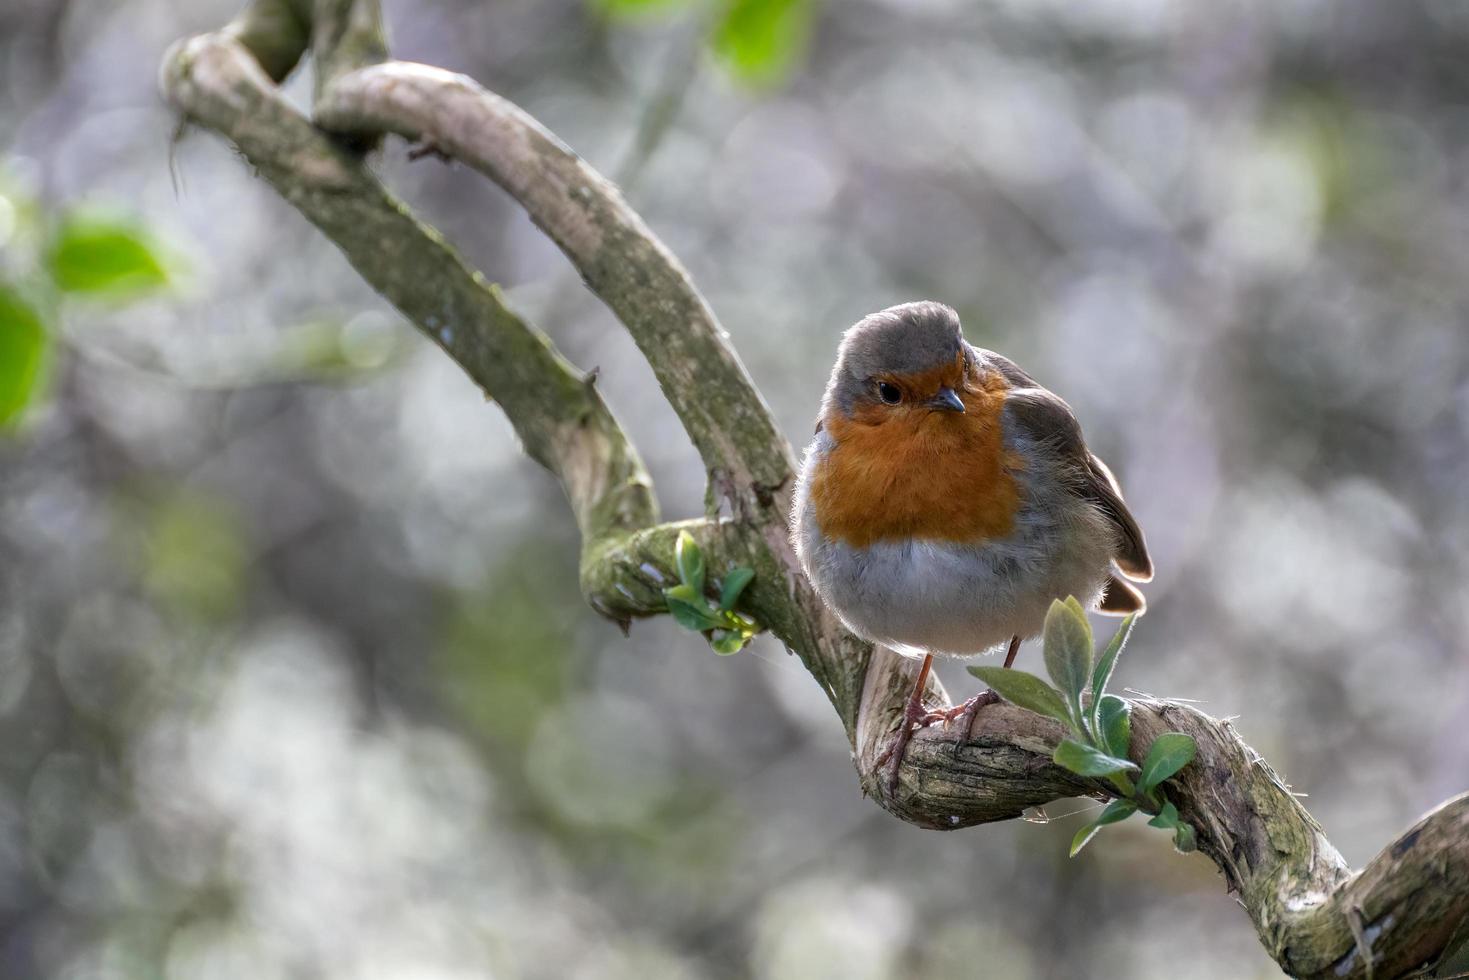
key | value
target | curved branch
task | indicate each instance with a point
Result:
(1314, 915)
(1307, 905)
(750, 463)
(620, 258)
(558, 414)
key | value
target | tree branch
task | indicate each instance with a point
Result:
(621, 260)
(557, 413)
(1312, 913)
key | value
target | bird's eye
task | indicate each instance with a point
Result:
(889, 393)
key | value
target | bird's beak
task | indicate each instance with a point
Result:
(947, 401)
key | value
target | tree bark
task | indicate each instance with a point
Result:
(1314, 915)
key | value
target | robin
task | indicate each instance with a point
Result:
(948, 498)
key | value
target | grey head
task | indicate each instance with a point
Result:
(912, 341)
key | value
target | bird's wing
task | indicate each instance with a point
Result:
(1008, 369)
(1045, 417)
(1121, 597)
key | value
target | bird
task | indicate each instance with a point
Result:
(947, 499)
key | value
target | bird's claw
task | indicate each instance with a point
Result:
(967, 712)
(914, 719)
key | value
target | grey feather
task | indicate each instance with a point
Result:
(1047, 418)
(904, 339)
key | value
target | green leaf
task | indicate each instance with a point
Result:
(1166, 818)
(1184, 839)
(690, 609)
(1112, 813)
(1083, 838)
(1078, 609)
(1068, 650)
(1084, 760)
(690, 559)
(100, 255)
(734, 585)
(1102, 674)
(1115, 725)
(23, 345)
(1116, 811)
(196, 562)
(1025, 690)
(1169, 753)
(761, 40)
(726, 642)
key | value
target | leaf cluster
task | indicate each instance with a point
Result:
(726, 630)
(1100, 723)
(42, 262)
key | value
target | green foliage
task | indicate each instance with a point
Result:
(758, 41)
(734, 586)
(330, 348)
(23, 345)
(1183, 835)
(1100, 723)
(104, 256)
(1026, 690)
(507, 651)
(1068, 652)
(196, 558)
(1108, 663)
(81, 255)
(1111, 813)
(761, 40)
(637, 8)
(690, 559)
(1114, 726)
(1088, 760)
(1169, 753)
(726, 630)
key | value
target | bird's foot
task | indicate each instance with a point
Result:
(914, 718)
(965, 714)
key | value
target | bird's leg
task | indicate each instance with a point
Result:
(1010, 653)
(970, 709)
(913, 715)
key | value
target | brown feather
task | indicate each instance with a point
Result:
(904, 471)
(1120, 598)
(1132, 550)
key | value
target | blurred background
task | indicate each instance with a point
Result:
(295, 680)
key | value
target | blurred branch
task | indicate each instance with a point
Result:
(1313, 914)
(557, 412)
(664, 103)
(620, 258)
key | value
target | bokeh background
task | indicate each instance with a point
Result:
(294, 676)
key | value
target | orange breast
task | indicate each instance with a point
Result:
(914, 473)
